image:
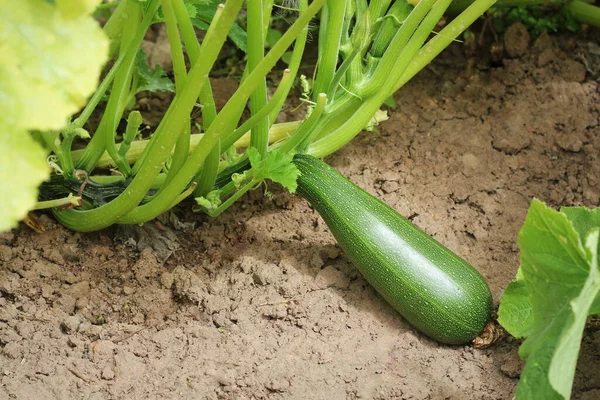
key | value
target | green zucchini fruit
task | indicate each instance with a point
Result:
(439, 293)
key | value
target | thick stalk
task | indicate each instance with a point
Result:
(301, 137)
(278, 96)
(293, 67)
(385, 68)
(443, 39)
(114, 27)
(584, 12)
(162, 200)
(182, 146)
(121, 87)
(96, 146)
(377, 9)
(206, 98)
(209, 172)
(360, 115)
(259, 138)
(330, 43)
(276, 133)
(209, 109)
(164, 138)
(460, 5)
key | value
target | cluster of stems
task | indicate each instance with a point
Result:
(367, 51)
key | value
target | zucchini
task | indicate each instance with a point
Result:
(439, 293)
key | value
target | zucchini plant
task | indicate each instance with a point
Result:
(556, 288)
(367, 50)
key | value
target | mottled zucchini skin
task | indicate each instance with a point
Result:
(438, 292)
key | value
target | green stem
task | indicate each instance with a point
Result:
(133, 124)
(182, 146)
(377, 9)
(294, 66)
(460, 5)
(276, 133)
(259, 138)
(209, 109)
(330, 44)
(65, 201)
(96, 146)
(279, 95)
(234, 197)
(385, 68)
(442, 40)
(360, 114)
(584, 12)
(221, 124)
(114, 26)
(165, 136)
(121, 87)
(302, 136)
(209, 172)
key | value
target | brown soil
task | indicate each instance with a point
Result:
(259, 303)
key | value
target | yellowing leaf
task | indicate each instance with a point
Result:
(76, 8)
(52, 56)
(22, 169)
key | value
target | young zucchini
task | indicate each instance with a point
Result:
(435, 290)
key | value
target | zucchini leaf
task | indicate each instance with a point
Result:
(275, 166)
(52, 55)
(515, 313)
(23, 168)
(205, 11)
(559, 276)
(155, 80)
(51, 61)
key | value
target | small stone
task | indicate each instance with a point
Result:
(225, 379)
(54, 256)
(512, 367)
(266, 273)
(70, 324)
(166, 279)
(278, 385)
(74, 342)
(108, 373)
(329, 252)
(9, 282)
(127, 290)
(569, 142)
(13, 350)
(187, 285)
(66, 303)
(102, 349)
(331, 277)
(25, 329)
(5, 253)
(390, 186)
(276, 311)
(516, 40)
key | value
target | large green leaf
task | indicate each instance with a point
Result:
(52, 55)
(515, 313)
(559, 273)
(23, 168)
(584, 220)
